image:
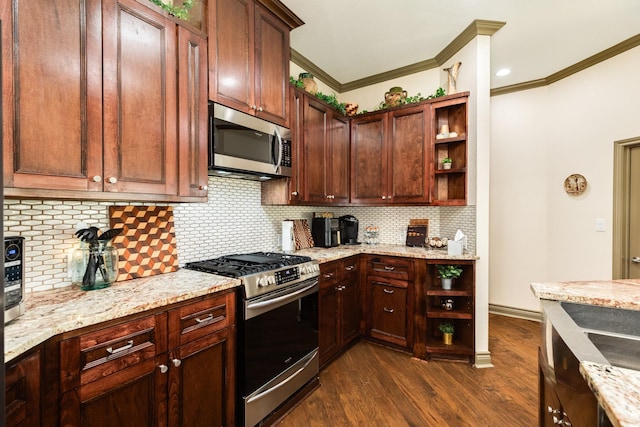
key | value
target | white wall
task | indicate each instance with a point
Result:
(539, 137)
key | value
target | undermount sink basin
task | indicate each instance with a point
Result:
(606, 319)
(621, 351)
(615, 333)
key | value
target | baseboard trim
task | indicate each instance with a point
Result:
(520, 313)
(483, 360)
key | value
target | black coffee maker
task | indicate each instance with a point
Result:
(348, 230)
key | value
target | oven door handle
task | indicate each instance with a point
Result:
(291, 296)
(292, 376)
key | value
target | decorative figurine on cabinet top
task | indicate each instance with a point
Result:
(452, 76)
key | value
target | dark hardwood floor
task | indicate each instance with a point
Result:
(371, 385)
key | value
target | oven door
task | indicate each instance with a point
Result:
(279, 354)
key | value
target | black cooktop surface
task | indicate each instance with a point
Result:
(244, 264)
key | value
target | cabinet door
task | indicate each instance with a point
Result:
(349, 311)
(231, 53)
(271, 78)
(140, 132)
(22, 391)
(52, 94)
(369, 159)
(328, 340)
(388, 311)
(337, 175)
(130, 397)
(192, 112)
(409, 154)
(315, 162)
(202, 381)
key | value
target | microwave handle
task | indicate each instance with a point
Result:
(280, 147)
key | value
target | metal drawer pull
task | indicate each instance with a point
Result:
(350, 267)
(389, 267)
(206, 319)
(129, 345)
(388, 291)
(388, 310)
(635, 259)
(327, 275)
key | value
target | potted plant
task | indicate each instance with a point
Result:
(447, 329)
(446, 163)
(448, 272)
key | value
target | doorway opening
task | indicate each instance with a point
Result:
(626, 209)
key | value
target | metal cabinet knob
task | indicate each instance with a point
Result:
(260, 109)
(202, 187)
(163, 368)
(112, 180)
(97, 178)
(635, 259)
(176, 362)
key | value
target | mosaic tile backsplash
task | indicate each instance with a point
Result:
(232, 221)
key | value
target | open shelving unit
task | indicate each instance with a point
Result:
(450, 185)
(461, 315)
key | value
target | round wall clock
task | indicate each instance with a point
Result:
(575, 184)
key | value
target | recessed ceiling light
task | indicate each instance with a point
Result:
(503, 72)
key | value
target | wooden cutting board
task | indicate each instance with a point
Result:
(147, 245)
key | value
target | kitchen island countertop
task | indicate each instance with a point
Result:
(616, 389)
(49, 313)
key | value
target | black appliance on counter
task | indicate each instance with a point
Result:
(13, 277)
(325, 232)
(348, 230)
(277, 328)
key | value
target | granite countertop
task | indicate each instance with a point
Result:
(331, 254)
(617, 389)
(49, 313)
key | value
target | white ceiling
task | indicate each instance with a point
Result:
(353, 39)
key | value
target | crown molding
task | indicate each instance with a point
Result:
(609, 53)
(476, 28)
(283, 12)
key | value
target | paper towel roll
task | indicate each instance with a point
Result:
(288, 243)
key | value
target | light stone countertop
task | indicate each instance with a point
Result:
(331, 254)
(617, 389)
(49, 313)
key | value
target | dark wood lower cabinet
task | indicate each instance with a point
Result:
(171, 368)
(201, 381)
(339, 301)
(22, 391)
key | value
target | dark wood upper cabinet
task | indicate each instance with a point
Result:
(140, 109)
(52, 87)
(93, 107)
(325, 154)
(249, 57)
(192, 113)
(369, 159)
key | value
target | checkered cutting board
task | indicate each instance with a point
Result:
(147, 245)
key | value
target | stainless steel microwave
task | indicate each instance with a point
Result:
(244, 146)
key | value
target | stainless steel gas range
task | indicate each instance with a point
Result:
(277, 328)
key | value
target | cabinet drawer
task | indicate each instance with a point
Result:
(349, 266)
(329, 274)
(198, 319)
(102, 352)
(397, 268)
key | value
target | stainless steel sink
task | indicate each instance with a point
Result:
(592, 333)
(621, 351)
(606, 319)
(615, 333)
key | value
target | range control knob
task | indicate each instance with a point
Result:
(263, 281)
